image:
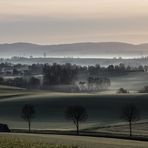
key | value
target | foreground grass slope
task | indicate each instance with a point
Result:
(21, 142)
(57, 141)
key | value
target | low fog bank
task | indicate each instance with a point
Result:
(78, 61)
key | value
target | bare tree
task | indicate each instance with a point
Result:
(28, 112)
(77, 114)
(131, 114)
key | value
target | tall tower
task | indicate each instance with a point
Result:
(44, 54)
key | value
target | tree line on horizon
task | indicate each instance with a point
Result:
(62, 74)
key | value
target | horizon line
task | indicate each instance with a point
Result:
(70, 43)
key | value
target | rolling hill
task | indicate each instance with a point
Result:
(92, 49)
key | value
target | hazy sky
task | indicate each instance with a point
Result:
(64, 21)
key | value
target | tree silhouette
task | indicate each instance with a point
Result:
(28, 112)
(77, 114)
(131, 114)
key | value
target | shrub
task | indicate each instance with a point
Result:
(122, 91)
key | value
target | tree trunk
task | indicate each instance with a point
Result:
(77, 128)
(130, 127)
(29, 125)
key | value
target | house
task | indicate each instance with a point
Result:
(23, 70)
(7, 70)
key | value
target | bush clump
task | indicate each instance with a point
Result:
(122, 91)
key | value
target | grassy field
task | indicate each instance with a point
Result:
(103, 110)
(9, 141)
(57, 141)
(138, 129)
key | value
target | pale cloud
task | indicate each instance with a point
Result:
(61, 21)
(85, 8)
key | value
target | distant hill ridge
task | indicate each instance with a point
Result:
(104, 49)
